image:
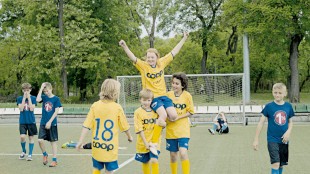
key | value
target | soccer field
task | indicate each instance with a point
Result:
(220, 154)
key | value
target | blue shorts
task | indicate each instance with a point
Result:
(278, 153)
(164, 101)
(145, 157)
(173, 145)
(109, 166)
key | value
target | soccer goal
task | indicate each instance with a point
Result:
(212, 93)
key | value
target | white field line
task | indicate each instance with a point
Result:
(62, 154)
(126, 162)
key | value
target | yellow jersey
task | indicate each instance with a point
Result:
(183, 104)
(153, 78)
(105, 119)
(144, 121)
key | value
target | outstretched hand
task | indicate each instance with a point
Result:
(122, 43)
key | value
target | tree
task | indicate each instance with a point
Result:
(278, 25)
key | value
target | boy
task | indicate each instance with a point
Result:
(279, 114)
(152, 77)
(144, 121)
(105, 118)
(27, 122)
(178, 131)
(48, 125)
(220, 124)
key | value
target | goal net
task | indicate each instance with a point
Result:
(212, 93)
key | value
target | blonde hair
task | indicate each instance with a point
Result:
(26, 86)
(110, 90)
(146, 93)
(279, 86)
(48, 85)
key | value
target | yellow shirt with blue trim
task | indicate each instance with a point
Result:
(183, 104)
(105, 119)
(144, 121)
(153, 77)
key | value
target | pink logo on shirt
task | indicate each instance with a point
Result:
(48, 106)
(280, 118)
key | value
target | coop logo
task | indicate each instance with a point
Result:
(104, 146)
(153, 76)
(179, 106)
(48, 106)
(280, 118)
(149, 121)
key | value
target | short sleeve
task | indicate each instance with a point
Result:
(89, 123)
(190, 107)
(122, 121)
(138, 123)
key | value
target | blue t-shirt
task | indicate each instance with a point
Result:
(48, 108)
(26, 116)
(278, 119)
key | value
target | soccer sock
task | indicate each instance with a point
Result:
(55, 159)
(280, 170)
(156, 133)
(146, 168)
(274, 171)
(44, 153)
(174, 167)
(96, 171)
(23, 144)
(185, 166)
(31, 145)
(155, 168)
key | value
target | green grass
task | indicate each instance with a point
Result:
(231, 153)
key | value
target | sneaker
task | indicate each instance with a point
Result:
(53, 164)
(65, 145)
(220, 132)
(29, 158)
(22, 156)
(153, 148)
(211, 131)
(45, 159)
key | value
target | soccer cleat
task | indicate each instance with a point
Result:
(153, 148)
(65, 145)
(29, 158)
(45, 159)
(53, 164)
(22, 156)
(211, 131)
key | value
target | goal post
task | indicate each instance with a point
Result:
(212, 93)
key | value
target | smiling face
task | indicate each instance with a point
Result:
(47, 91)
(151, 58)
(177, 85)
(146, 102)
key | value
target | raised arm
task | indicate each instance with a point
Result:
(39, 96)
(132, 57)
(178, 47)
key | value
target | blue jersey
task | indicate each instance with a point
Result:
(48, 108)
(278, 119)
(26, 116)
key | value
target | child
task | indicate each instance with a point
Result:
(152, 74)
(48, 125)
(178, 131)
(144, 119)
(27, 122)
(105, 118)
(279, 114)
(220, 124)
